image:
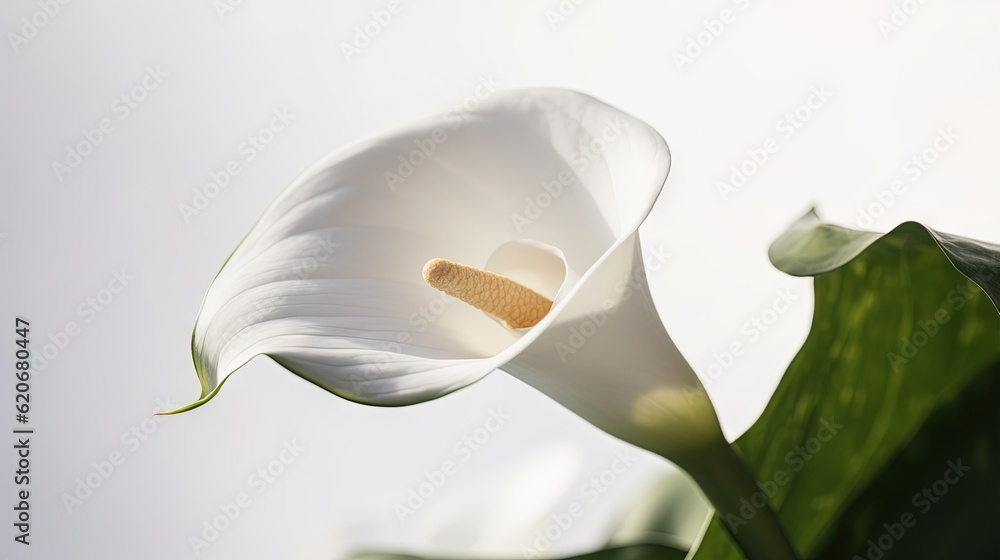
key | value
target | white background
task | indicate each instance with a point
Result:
(62, 237)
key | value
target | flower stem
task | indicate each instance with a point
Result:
(742, 507)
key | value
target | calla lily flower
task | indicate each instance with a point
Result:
(546, 188)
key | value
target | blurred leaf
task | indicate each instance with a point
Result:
(663, 524)
(673, 512)
(633, 552)
(904, 355)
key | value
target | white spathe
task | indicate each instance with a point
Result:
(545, 186)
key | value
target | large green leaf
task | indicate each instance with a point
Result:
(903, 362)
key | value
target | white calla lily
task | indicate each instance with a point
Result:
(328, 282)
(545, 187)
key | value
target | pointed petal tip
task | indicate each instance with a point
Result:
(184, 408)
(204, 398)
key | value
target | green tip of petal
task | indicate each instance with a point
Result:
(202, 400)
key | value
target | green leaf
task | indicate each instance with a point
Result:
(904, 356)
(961, 524)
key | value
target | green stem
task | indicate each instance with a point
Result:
(741, 505)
